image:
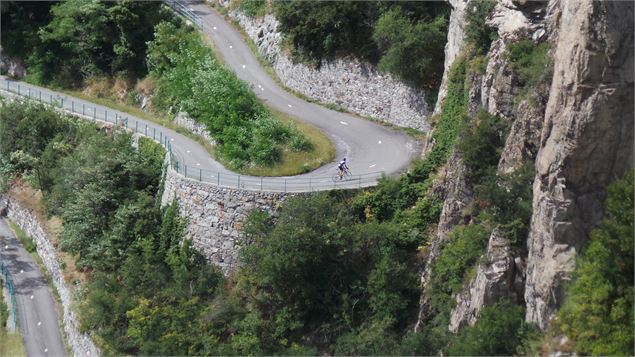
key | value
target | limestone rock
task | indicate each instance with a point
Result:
(587, 142)
(495, 280)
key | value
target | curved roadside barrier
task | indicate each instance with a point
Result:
(189, 170)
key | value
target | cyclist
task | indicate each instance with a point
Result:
(342, 167)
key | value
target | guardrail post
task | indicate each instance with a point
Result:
(238, 182)
(72, 106)
(106, 114)
(95, 113)
(62, 103)
(200, 174)
(310, 184)
(8, 87)
(285, 185)
(185, 170)
(177, 166)
(146, 129)
(136, 126)
(360, 181)
(218, 179)
(83, 109)
(260, 183)
(18, 89)
(40, 96)
(51, 98)
(126, 122)
(154, 133)
(29, 93)
(161, 137)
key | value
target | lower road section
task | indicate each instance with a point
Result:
(37, 317)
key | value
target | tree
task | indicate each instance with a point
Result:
(412, 50)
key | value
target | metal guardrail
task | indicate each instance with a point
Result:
(275, 184)
(186, 12)
(8, 283)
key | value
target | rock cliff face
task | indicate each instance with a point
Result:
(580, 138)
(587, 142)
(346, 82)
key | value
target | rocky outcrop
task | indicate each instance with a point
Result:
(498, 277)
(452, 187)
(216, 214)
(587, 141)
(81, 344)
(456, 35)
(13, 67)
(346, 82)
(183, 120)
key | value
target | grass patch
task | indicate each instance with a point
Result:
(132, 110)
(26, 241)
(11, 344)
(294, 162)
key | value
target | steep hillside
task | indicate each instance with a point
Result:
(574, 129)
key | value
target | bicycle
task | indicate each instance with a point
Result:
(342, 175)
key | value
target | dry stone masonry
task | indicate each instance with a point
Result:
(81, 344)
(216, 214)
(346, 82)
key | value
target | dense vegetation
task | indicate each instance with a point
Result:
(76, 43)
(406, 39)
(598, 314)
(190, 79)
(534, 68)
(77, 39)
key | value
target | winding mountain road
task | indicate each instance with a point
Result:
(370, 148)
(38, 320)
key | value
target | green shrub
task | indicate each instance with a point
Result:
(532, 64)
(461, 252)
(498, 332)
(481, 143)
(506, 200)
(412, 50)
(253, 8)
(598, 313)
(477, 34)
(192, 81)
(4, 309)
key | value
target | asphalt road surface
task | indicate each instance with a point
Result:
(36, 308)
(370, 148)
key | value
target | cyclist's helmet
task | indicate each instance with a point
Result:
(344, 159)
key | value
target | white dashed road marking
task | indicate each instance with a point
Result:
(379, 142)
(230, 46)
(290, 106)
(244, 66)
(343, 123)
(172, 139)
(31, 297)
(189, 151)
(46, 350)
(214, 27)
(198, 164)
(39, 323)
(373, 165)
(21, 271)
(6, 247)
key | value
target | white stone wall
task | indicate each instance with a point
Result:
(81, 344)
(346, 82)
(216, 214)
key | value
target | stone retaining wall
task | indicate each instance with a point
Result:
(216, 214)
(346, 82)
(81, 344)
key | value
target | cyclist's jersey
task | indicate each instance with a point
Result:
(341, 165)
